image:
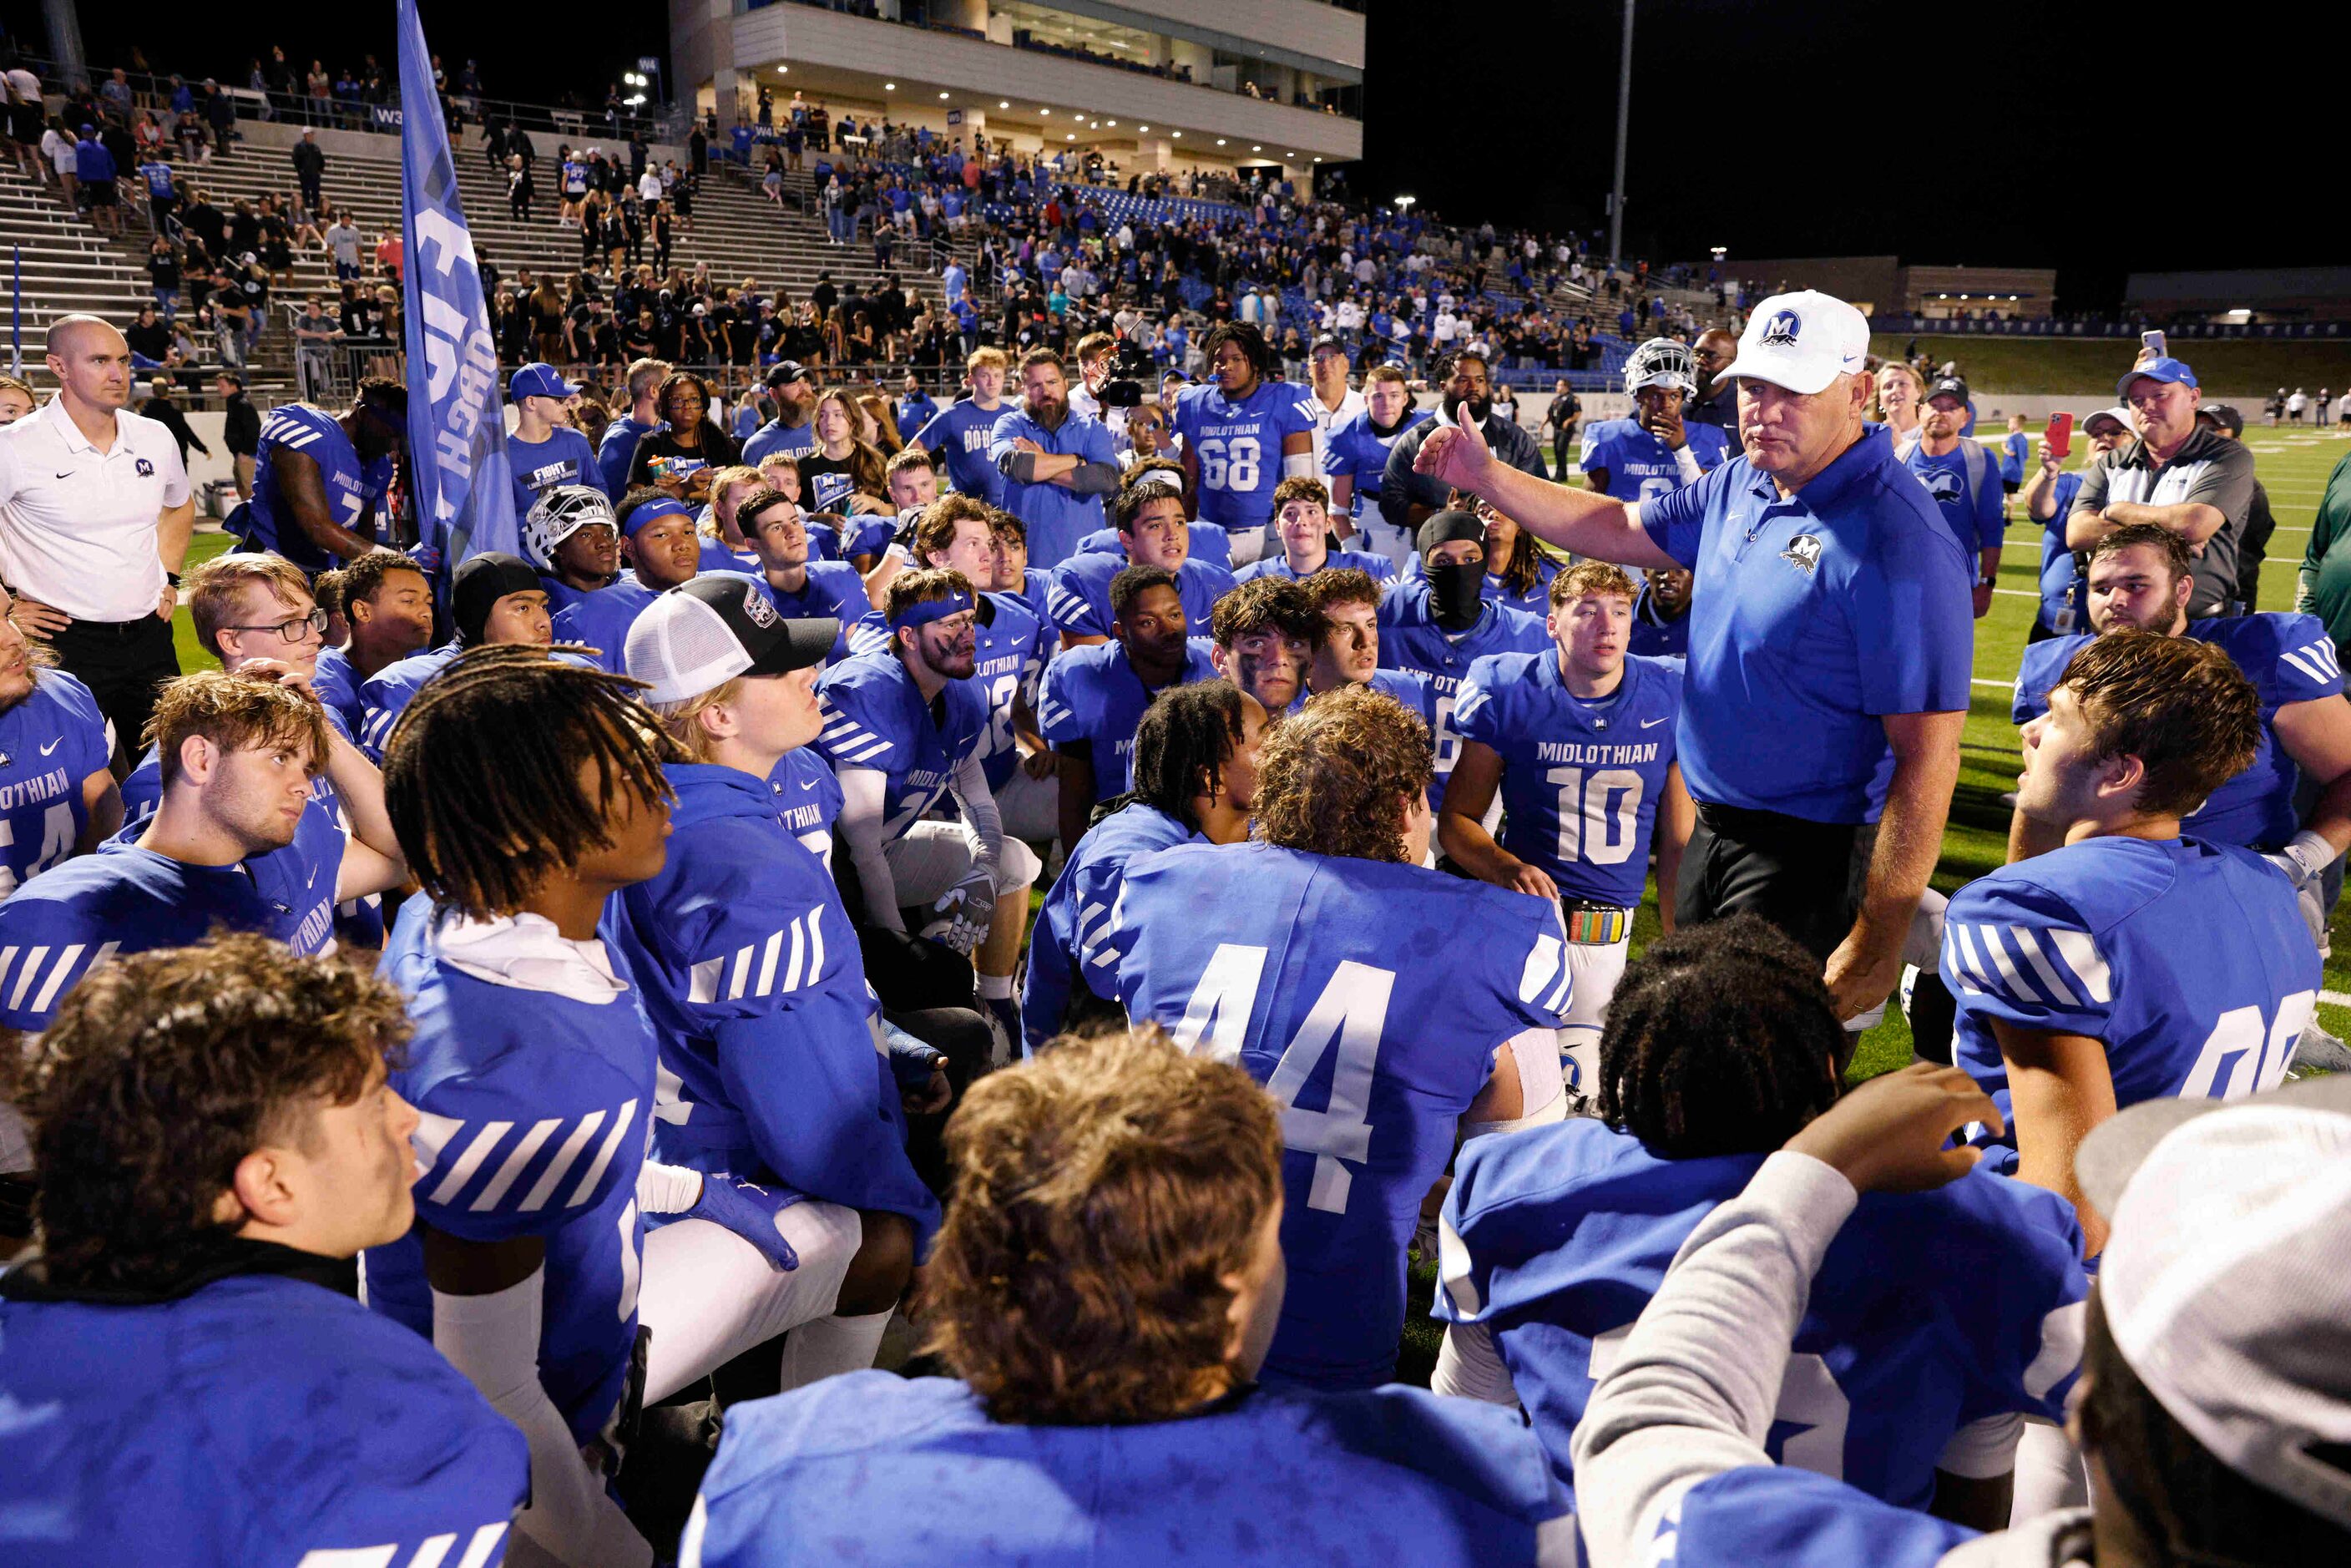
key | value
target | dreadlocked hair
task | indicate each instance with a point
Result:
(482, 774)
(1720, 1040)
(1181, 746)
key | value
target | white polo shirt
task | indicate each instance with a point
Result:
(78, 525)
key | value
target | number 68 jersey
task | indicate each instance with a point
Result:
(2188, 960)
(1368, 998)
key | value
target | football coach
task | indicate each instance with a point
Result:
(1831, 640)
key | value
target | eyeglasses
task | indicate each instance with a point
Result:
(292, 631)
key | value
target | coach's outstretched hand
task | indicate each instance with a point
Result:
(1888, 1135)
(1456, 454)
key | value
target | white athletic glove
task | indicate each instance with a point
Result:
(2305, 862)
(960, 918)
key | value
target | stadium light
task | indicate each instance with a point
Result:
(1111, 123)
(1220, 141)
(1176, 134)
(632, 78)
(1719, 251)
(635, 100)
(889, 86)
(1143, 128)
(1403, 204)
(943, 95)
(1254, 148)
(1072, 136)
(1004, 103)
(1044, 111)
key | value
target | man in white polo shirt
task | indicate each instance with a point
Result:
(94, 515)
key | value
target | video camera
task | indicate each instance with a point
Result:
(1128, 372)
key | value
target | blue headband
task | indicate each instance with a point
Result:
(652, 510)
(923, 612)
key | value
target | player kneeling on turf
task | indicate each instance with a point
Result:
(1104, 1288)
(187, 1375)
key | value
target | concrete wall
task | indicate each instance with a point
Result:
(264, 133)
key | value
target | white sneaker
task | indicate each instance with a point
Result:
(2319, 1051)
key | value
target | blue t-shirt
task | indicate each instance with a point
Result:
(1080, 594)
(961, 434)
(158, 175)
(756, 992)
(833, 588)
(617, 452)
(914, 1472)
(349, 488)
(1556, 1237)
(1092, 694)
(260, 1418)
(2188, 961)
(1057, 515)
(601, 620)
(2288, 657)
(1640, 465)
(876, 716)
(1972, 510)
(1237, 446)
(122, 899)
(1581, 780)
(1076, 946)
(1297, 967)
(534, 1105)
(563, 458)
(1813, 618)
(2014, 448)
(1410, 639)
(1655, 633)
(1381, 568)
(914, 412)
(2064, 591)
(1354, 449)
(49, 743)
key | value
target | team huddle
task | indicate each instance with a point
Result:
(441, 1068)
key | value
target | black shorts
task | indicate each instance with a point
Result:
(100, 194)
(2012, 487)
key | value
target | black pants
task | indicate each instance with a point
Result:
(1805, 877)
(122, 663)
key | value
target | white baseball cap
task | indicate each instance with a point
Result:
(707, 630)
(2224, 1285)
(1801, 341)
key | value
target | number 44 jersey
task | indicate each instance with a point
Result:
(1369, 999)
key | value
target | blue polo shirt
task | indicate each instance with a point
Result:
(1057, 515)
(1813, 618)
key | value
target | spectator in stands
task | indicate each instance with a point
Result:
(843, 473)
(240, 430)
(94, 168)
(1408, 499)
(95, 517)
(2215, 483)
(310, 167)
(316, 334)
(688, 445)
(343, 240)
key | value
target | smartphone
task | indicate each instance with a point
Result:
(2060, 438)
(2154, 341)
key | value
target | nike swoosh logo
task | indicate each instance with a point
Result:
(808, 783)
(67, 474)
(53, 745)
(1651, 723)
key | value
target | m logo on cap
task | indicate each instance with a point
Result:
(762, 613)
(1780, 332)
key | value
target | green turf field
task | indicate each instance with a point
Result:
(2086, 367)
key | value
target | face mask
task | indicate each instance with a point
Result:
(1454, 593)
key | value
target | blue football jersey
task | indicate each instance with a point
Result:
(808, 800)
(1640, 466)
(914, 1472)
(1581, 780)
(1012, 647)
(535, 1104)
(2289, 658)
(124, 899)
(1211, 545)
(602, 621)
(1316, 973)
(832, 589)
(1354, 449)
(49, 743)
(2188, 960)
(960, 433)
(1971, 511)
(261, 1418)
(874, 717)
(318, 435)
(385, 696)
(1410, 639)
(1081, 593)
(1764, 1516)
(1655, 633)
(1075, 944)
(1379, 567)
(757, 991)
(1554, 1238)
(1238, 445)
(563, 458)
(1092, 694)
(335, 684)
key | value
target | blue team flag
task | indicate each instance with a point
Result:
(456, 421)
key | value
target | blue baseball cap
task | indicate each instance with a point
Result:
(541, 379)
(2163, 369)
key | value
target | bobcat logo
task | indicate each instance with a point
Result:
(1943, 484)
(1803, 551)
(762, 613)
(1781, 331)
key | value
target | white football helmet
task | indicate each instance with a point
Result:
(559, 513)
(1661, 362)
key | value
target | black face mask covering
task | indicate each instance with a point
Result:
(1455, 589)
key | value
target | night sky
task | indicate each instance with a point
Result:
(1943, 134)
